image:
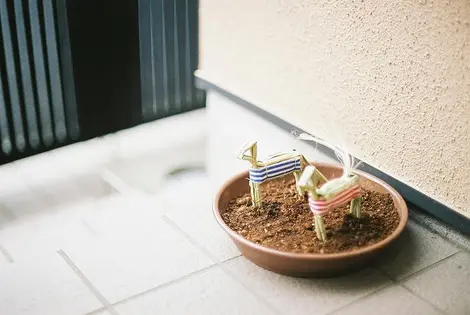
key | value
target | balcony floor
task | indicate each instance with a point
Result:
(101, 228)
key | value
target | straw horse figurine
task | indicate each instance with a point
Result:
(330, 195)
(273, 166)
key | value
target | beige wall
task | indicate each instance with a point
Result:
(391, 78)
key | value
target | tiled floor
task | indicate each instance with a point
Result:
(101, 239)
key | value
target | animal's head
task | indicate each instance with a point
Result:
(247, 147)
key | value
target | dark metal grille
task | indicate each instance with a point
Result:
(37, 94)
(72, 70)
(168, 32)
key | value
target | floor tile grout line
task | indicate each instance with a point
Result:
(271, 307)
(402, 281)
(219, 263)
(424, 269)
(121, 187)
(97, 311)
(423, 299)
(382, 289)
(189, 238)
(164, 285)
(6, 254)
(87, 282)
(362, 298)
(90, 228)
(384, 273)
(399, 280)
(117, 183)
(155, 289)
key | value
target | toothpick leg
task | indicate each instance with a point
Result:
(355, 207)
(255, 194)
(320, 227)
(299, 189)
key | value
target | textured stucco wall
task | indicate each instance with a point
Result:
(390, 78)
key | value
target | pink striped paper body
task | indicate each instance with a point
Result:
(323, 206)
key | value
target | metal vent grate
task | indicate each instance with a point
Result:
(37, 94)
(168, 32)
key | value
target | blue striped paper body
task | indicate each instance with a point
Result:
(259, 175)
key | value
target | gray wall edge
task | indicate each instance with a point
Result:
(411, 195)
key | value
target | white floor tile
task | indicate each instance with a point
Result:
(209, 293)
(192, 212)
(393, 300)
(47, 231)
(188, 191)
(26, 203)
(445, 285)
(76, 190)
(43, 286)
(134, 251)
(416, 249)
(201, 225)
(306, 296)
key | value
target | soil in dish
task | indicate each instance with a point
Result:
(285, 222)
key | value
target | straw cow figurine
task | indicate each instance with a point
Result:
(330, 195)
(273, 166)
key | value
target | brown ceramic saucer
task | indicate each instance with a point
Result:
(309, 265)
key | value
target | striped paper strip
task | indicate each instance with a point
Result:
(259, 175)
(323, 206)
